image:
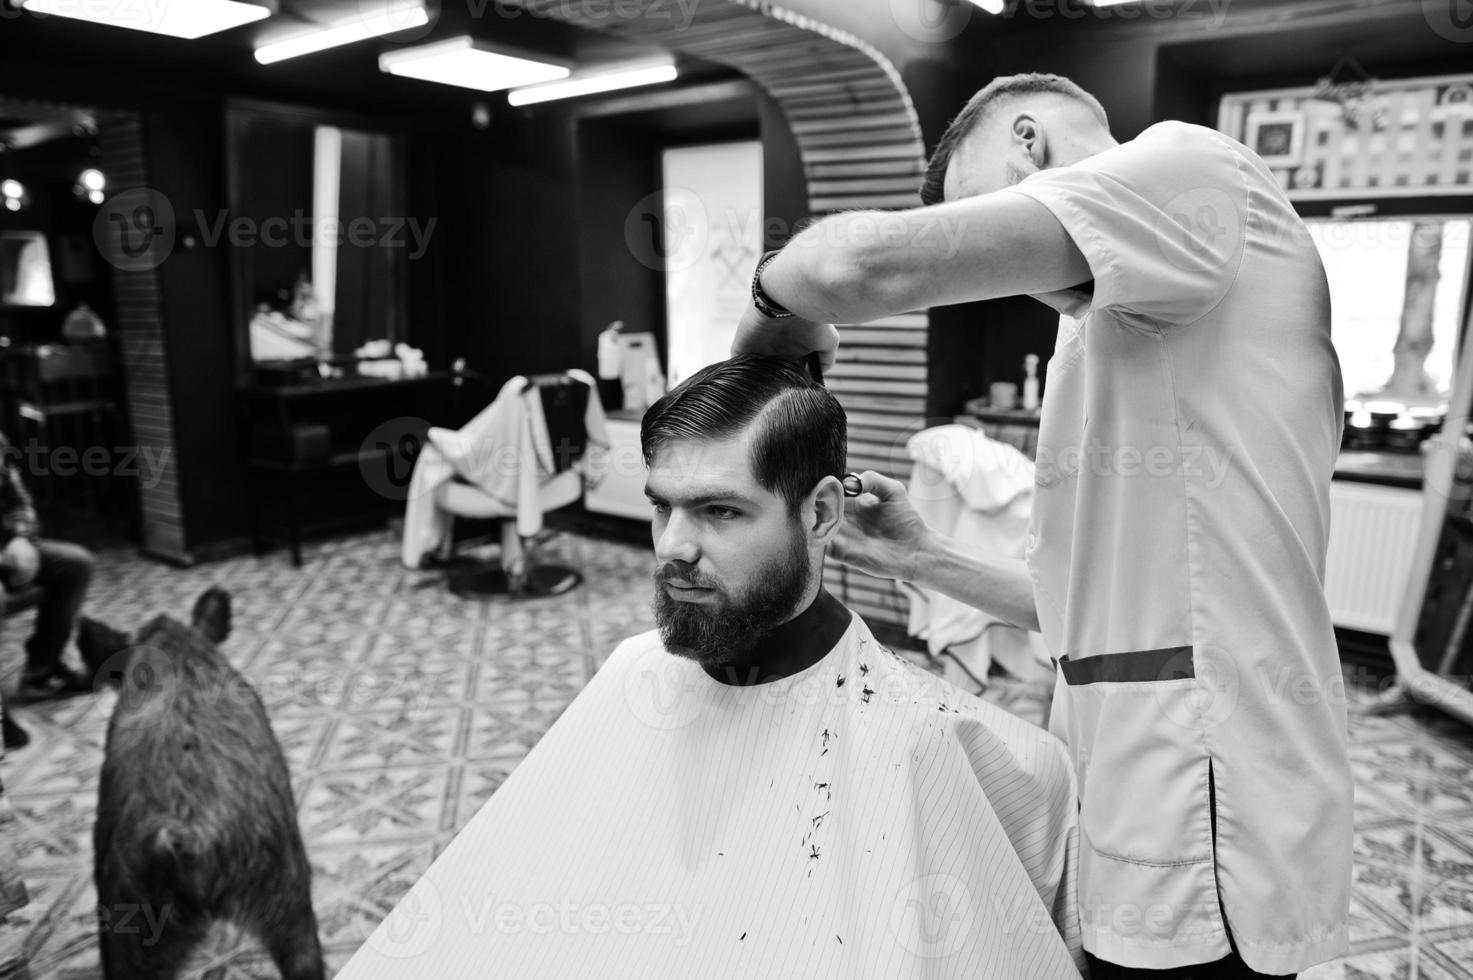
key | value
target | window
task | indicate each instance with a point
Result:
(1397, 292)
(713, 238)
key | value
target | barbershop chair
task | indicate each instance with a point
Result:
(516, 572)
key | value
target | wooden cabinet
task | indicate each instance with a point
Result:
(335, 452)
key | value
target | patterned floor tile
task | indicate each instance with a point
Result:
(306, 686)
(504, 727)
(1453, 775)
(354, 887)
(402, 708)
(1388, 888)
(1405, 963)
(403, 686)
(1371, 929)
(64, 937)
(375, 739)
(375, 804)
(55, 830)
(509, 677)
(1373, 808)
(301, 738)
(397, 652)
(480, 778)
(1445, 896)
(1393, 845)
(1454, 956)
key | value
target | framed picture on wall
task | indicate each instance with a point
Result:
(1277, 137)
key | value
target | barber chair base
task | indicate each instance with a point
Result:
(537, 582)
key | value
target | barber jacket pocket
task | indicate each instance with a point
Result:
(1141, 761)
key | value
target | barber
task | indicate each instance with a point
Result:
(1176, 553)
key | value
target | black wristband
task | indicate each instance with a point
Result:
(760, 299)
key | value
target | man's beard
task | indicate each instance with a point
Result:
(720, 633)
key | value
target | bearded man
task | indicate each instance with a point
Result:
(758, 788)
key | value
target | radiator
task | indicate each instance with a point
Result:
(1373, 537)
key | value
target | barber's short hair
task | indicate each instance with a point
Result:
(802, 432)
(995, 92)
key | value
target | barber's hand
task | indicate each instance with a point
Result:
(881, 534)
(792, 337)
(21, 559)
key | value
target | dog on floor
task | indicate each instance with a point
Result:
(196, 824)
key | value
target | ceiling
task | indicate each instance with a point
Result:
(39, 51)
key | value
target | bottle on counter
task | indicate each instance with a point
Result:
(1030, 383)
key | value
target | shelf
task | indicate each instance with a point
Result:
(1385, 468)
(338, 386)
(347, 458)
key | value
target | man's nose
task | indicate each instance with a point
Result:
(678, 540)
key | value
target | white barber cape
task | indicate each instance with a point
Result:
(860, 818)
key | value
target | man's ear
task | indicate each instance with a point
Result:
(825, 509)
(1028, 132)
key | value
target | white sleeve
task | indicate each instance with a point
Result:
(1160, 219)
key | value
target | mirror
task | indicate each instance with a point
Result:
(1397, 286)
(1430, 644)
(25, 270)
(316, 225)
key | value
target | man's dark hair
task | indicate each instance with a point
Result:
(976, 110)
(801, 431)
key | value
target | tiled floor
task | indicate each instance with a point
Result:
(401, 709)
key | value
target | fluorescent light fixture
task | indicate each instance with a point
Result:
(469, 63)
(991, 6)
(1107, 3)
(186, 19)
(608, 81)
(344, 32)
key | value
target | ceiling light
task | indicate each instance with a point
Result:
(607, 81)
(991, 6)
(344, 32)
(469, 63)
(177, 18)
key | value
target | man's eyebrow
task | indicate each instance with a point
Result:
(700, 496)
